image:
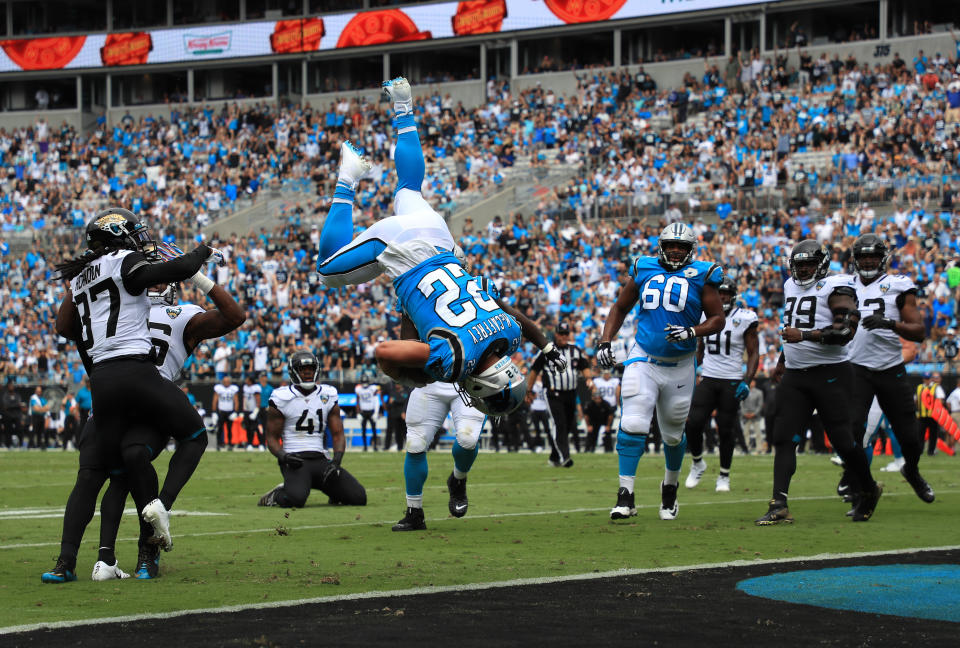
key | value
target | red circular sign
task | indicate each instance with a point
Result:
(375, 27)
(581, 11)
(43, 53)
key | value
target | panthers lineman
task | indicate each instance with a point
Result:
(426, 411)
(674, 290)
(107, 295)
(819, 319)
(724, 384)
(177, 330)
(462, 335)
(299, 414)
(888, 308)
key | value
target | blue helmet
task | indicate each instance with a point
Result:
(496, 391)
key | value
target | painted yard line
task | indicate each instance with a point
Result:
(313, 527)
(466, 587)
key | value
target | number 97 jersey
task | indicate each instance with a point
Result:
(670, 297)
(304, 416)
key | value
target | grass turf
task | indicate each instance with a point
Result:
(525, 520)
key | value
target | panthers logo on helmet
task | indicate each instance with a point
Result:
(173, 313)
(113, 223)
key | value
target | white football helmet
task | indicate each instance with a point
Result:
(496, 391)
(679, 233)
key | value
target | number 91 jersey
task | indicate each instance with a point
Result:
(455, 314)
(670, 297)
(723, 351)
(304, 416)
(807, 309)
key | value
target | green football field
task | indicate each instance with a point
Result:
(525, 520)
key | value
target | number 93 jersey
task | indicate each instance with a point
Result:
(884, 296)
(455, 314)
(807, 309)
(723, 351)
(304, 416)
(670, 297)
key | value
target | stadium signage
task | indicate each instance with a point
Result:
(204, 45)
(347, 30)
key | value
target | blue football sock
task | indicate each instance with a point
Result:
(673, 454)
(415, 472)
(338, 228)
(463, 459)
(630, 447)
(408, 155)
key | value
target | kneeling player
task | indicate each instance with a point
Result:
(298, 415)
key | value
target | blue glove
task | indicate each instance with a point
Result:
(743, 390)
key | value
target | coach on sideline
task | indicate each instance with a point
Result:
(561, 387)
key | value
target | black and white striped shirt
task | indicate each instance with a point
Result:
(565, 380)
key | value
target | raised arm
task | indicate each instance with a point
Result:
(226, 317)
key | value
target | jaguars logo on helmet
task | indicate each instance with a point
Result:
(116, 227)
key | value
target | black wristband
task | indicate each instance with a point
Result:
(806, 336)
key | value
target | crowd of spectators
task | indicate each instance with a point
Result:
(721, 141)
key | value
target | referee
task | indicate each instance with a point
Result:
(561, 388)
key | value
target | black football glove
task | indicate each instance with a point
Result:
(872, 322)
(554, 356)
(290, 461)
(605, 359)
(836, 336)
(330, 471)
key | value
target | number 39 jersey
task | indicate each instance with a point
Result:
(167, 324)
(455, 314)
(670, 297)
(880, 348)
(723, 351)
(304, 416)
(113, 322)
(807, 309)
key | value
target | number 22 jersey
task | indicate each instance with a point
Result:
(456, 315)
(670, 297)
(304, 416)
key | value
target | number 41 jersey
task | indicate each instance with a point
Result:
(807, 309)
(670, 297)
(304, 416)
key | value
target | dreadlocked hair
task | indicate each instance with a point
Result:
(70, 269)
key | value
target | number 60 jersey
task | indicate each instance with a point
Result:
(304, 416)
(807, 309)
(670, 297)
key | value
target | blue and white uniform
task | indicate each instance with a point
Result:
(451, 309)
(658, 373)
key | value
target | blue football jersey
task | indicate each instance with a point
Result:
(670, 297)
(455, 314)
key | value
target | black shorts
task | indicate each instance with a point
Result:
(826, 388)
(133, 404)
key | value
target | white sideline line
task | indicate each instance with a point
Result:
(444, 519)
(466, 587)
(57, 512)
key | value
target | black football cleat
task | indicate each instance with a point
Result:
(919, 484)
(778, 513)
(625, 507)
(148, 563)
(458, 496)
(412, 521)
(844, 490)
(61, 573)
(867, 503)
